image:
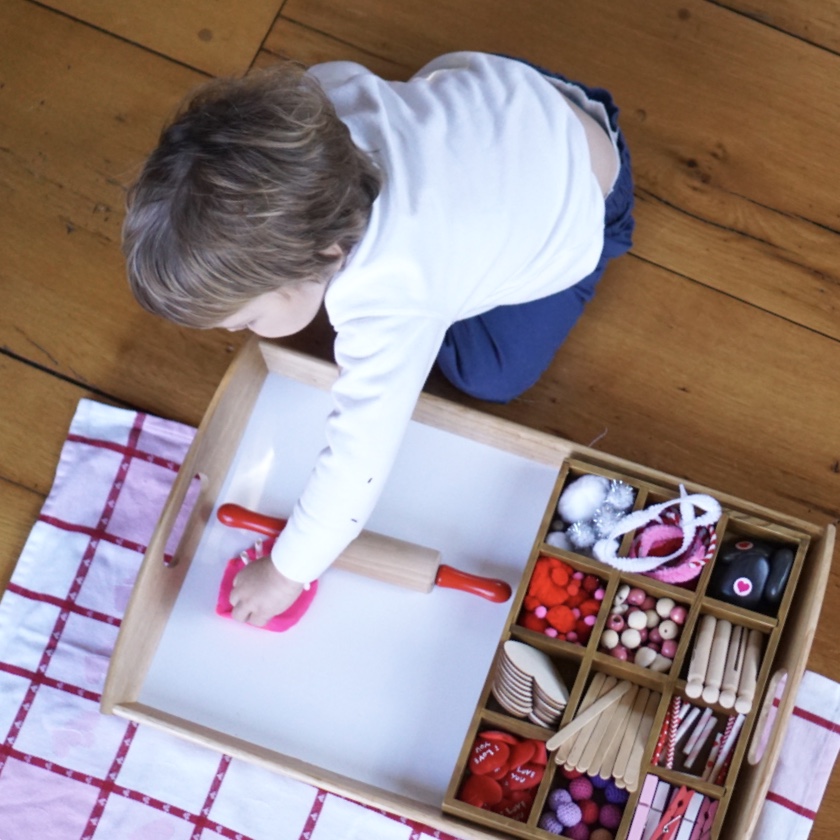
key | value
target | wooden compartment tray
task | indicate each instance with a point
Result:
(376, 693)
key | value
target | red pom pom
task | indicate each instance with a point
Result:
(590, 607)
(591, 583)
(530, 621)
(561, 618)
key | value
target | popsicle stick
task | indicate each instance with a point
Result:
(749, 674)
(595, 722)
(734, 666)
(612, 734)
(589, 715)
(630, 733)
(717, 661)
(634, 765)
(600, 682)
(700, 657)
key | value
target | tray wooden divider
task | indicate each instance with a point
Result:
(787, 635)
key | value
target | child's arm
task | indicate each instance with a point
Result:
(260, 592)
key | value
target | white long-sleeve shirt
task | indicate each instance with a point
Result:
(488, 198)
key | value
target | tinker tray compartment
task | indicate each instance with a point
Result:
(567, 645)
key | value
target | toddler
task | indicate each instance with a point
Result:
(462, 218)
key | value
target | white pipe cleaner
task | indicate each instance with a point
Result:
(606, 550)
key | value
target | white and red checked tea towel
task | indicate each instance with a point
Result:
(69, 773)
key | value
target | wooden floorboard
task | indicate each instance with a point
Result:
(710, 352)
(220, 37)
(817, 21)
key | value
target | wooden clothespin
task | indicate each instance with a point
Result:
(672, 819)
(705, 820)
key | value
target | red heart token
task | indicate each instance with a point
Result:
(524, 778)
(522, 752)
(488, 756)
(498, 735)
(480, 791)
(516, 806)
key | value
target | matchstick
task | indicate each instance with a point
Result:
(717, 661)
(698, 730)
(700, 656)
(708, 728)
(729, 741)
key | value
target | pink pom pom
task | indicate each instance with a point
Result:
(580, 789)
(540, 611)
(578, 832)
(610, 816)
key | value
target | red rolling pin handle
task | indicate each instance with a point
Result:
(493, 590)
(236, 516)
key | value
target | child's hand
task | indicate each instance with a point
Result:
(260, 592)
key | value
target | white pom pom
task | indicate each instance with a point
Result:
(605, 519)
(621, 495)
(581, 535)
(579, 501)
(559, 540)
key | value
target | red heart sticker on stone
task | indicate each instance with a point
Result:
(742, 587)
(487, 756)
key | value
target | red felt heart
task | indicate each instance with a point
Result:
(516, 806)
(525, 777)
(480, 791)
(487, 756)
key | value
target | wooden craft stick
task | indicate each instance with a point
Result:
(749, 673)
(700, 656)
(734, 665)
(596, 719)
(588, 715)
(593, 692)
(612, 722)
(717, 661)
(634, 765)
(612, 738)
(630, 733)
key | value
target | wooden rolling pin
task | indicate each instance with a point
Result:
(382, 558)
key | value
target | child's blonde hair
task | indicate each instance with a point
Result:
(250, 184)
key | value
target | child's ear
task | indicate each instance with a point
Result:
(335, 250)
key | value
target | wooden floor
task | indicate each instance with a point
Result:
(712, 351)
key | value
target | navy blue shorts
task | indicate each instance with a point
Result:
(501, 353)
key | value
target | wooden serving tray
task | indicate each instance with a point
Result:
(376, 693)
